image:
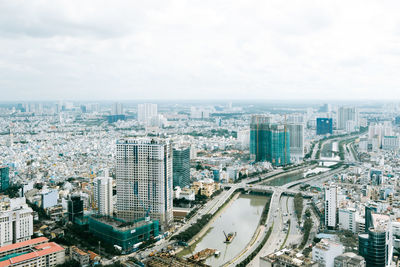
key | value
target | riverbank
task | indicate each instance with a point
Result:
(205, 229)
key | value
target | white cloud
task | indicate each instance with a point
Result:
(199, 49)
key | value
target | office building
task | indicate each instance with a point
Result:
(349, 259)
(75, 209)
(296, 133)
(326, 251)
(330, 205)
(324, 126)
(49, 198)
(346, 114)
(376, 245)
(181, 166)
(347, 219)
(103, 195)
(269, 142)
(146, 112)
(16, 222)
(34, 252)
(4, 178)
(144, 180)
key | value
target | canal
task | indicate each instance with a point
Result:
(284, 179)
(241, 217)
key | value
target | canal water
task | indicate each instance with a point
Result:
(284, 179)
(241, 217)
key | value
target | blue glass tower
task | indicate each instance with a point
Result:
(324, 126)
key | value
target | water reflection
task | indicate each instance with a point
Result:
(284, 179)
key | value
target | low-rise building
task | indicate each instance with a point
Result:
(34, 252)
(349, 259)
(286, 258)
(206, 187)
(325, 252)
(80, 256)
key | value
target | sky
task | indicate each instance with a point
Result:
(234, 49)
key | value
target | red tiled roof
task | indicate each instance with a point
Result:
(44, 249)
(23, 244)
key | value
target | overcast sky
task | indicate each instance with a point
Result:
(115, 50)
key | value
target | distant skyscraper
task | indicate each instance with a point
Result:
(330, 206)
(146, 112)
(144, 180)
(346, 114)
(269, 142)
(103, 195)
(296, 133)
(181, 166)
(324, 126)
(4, 177)
(117, 109)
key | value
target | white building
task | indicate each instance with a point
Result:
(16, 223)
(146, 112)
(296, 136)
(326, 251)
(144, 179)
(347, 219)
(103, 195)
(390, 142)
(330, 205)
(346, 114)
(117, 109)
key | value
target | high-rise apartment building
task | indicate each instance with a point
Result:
(181, 166)
(330, 205)
(146, 112)
(16, 222)
(269, 142)
(324, 126)
(296, 133)
(144, 180)
(4, 177)
(103, 195)
(117, 109)
(346, 114)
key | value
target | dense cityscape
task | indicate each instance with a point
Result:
(199, 184)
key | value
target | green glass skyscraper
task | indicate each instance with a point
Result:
(4, 177)
(269, 141)
(181, 166)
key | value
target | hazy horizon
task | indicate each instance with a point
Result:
(202, 50)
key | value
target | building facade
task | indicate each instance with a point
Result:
(330, 206)
(146, 111)
(16, 224)
(296, 133)
(346, 114)
(325, 252)
(324, 126)
(103, 195)
(34, 252)
(181, 167)
(4, 178)
(144, 180)
(75, 208)
(269, 142)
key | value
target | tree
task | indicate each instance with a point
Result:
(298, 205)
